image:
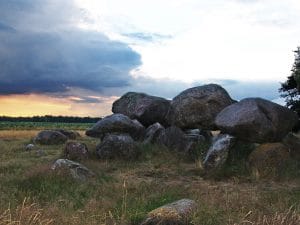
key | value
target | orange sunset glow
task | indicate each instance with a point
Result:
(33, 104)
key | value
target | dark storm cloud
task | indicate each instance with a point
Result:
(45, 53)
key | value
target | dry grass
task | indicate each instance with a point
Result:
(17, 134)
(122, 193)
(290, 217)
(25, 214)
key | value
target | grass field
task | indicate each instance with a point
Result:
(123, 192)
(42, 125)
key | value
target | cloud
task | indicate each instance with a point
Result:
(147, 37)
(52, 54)
(169, 88)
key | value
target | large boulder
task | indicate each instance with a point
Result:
(77, 170)
(293, 143)
(175, 213)
(50, 137)
(152, 133)
(176, 140)
(197, 107)
(76, 151)
(116, 123)
(145, 108)
(69, 133)
(268, 159)
(173, 138)
(256, 120)
(120, 146)
(218, 152)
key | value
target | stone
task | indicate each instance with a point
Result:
(145, 108)
(50, 137)
(268, 159)
(76, 151)
(173, 138)
(218, 152)
(77, 170)
(196, 135)
(197, 107)
(293, 143)
(29, 147)
(120, 146)
(152, 133)
(116, 123)
(256, 120)
(69, 133)
(176, 213)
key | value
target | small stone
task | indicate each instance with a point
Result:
(76, 151)
(77, 170)
(29, 147)
(176, 213)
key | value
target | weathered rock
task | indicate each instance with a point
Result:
(195, 134)
(173, 138)
(29, 147)
(293, 143)
(267, 160)
(69, 133)
(50, 137)
(145, 108)
(76, 151)
(152, 133)
(77, 170)
(256, 120)
(197, 107)
(176, 140)
(116, 123)
(218, 152)
(176, 213)
(117, 146)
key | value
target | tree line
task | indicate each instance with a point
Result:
(290, 89)
(53, 119)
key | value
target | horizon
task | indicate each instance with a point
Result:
(76, 57)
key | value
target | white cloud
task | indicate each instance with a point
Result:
(221, 39)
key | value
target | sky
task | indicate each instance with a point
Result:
(75, 57)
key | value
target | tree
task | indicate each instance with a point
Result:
(290, 90)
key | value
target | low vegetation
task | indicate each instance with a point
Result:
(7, 125)
(122, 192)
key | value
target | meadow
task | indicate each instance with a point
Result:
(5, 125)
(122, 192)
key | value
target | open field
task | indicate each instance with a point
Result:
(42, 125)
(123, 192)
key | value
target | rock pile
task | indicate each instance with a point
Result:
(187, 121)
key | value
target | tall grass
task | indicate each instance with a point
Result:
(123, 192)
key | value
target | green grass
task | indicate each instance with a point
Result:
(43, 125)
(123, 192)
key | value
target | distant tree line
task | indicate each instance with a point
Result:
(53, 119)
